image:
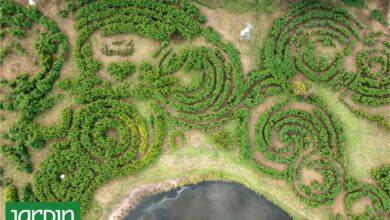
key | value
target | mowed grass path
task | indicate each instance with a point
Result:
(366, 146)
(191, 163)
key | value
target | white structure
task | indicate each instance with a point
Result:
(62, 176)
(31, 2)
(245, 34)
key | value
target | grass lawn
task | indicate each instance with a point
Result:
(366, 146)
(191, 164)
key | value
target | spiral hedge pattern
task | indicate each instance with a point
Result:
(218, 88)
(295, 137)
(93, 156)
(105, 137)
(373, 85)
(27, 93)
(312, 24)
(298, 41)
(380, 208)
(311, 139)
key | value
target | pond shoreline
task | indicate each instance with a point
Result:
(139, 192)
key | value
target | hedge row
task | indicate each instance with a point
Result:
(372, 87)
(28, 94)
(311, 139)
(93, 156)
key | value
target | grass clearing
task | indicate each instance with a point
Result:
(229, 24)
(192, 163)
(366, 145)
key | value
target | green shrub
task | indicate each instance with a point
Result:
(223, 139)
(356, 3)
(379, 16)
(10, 194)
(28, 195)
(382, 177)
(120, 71)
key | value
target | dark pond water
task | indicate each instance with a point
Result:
(207, 201)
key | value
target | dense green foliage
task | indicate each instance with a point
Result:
(356, 3)
(299, 131)
(379, 16)
(28, 194)
(91, 156)
(10, 194)
(120, 71)
(382, 177)
(104, 137)
(28, 94)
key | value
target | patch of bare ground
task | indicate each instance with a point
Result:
(143, 50)
(338, 205)
(309, 175)
(361, 205)
(299, 77)
(197, 139)
(301, 106)
(8, 119)
(19, 177)
(230, 24)
(53, 115)
(15, 62)
(275, 140)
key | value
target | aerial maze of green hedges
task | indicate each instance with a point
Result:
(297, 137)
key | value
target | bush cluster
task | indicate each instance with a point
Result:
(379, 16)
(120, 71)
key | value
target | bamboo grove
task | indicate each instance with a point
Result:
(295, 137)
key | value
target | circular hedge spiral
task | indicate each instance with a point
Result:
(380, 200)
(304, 136)
(307, 138)
(373, 85)
(217, 88)
(310, 25)
(212, 94)
(298, 42)
(319, 193)
(94, 156)
(89, 134)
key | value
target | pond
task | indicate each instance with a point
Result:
(207, 201)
